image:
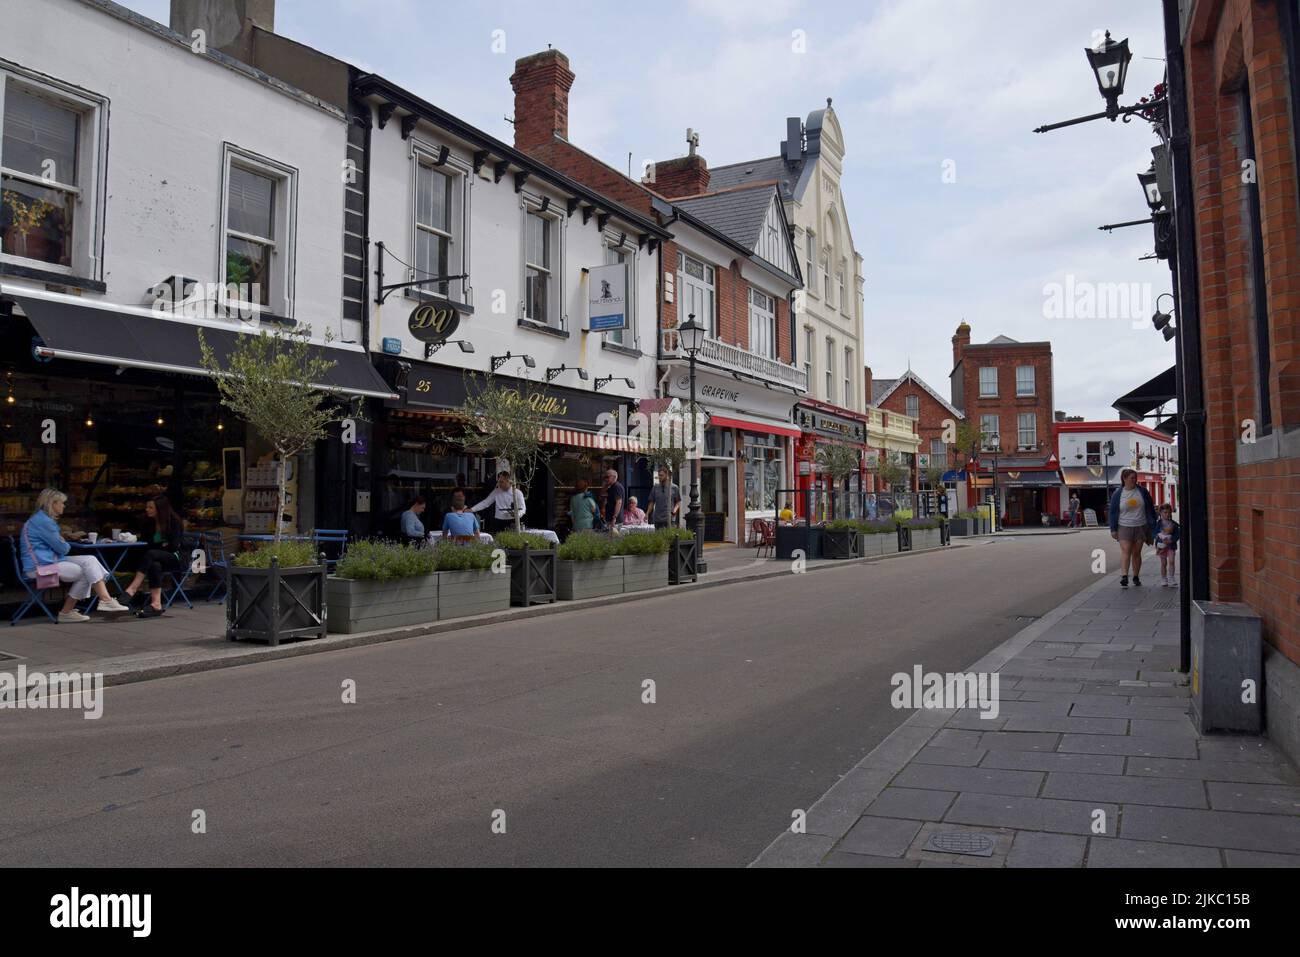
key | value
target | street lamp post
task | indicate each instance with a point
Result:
(1107, 450)
(692, 339)
(997, 508)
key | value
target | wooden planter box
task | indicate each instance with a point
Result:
(839, 543)
(872, 544)
(641, 572)
(792, 538)
(471, 592)
(578, 580)
(683, 562)
(532, 575)
(276, 604)
(925, 538)
(375, 605)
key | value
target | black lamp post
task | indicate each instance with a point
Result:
(997, 508)
(691, 334)
(1107, 450)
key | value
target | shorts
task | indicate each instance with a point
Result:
(1132, 533)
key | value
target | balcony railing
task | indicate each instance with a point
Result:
(734, 358)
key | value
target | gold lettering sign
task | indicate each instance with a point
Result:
(546, 404)
(433, 321)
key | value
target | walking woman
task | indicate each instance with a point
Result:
(163, 555)
(43, 545)
(1132, 524)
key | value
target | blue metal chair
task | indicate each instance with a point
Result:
(331, 536)
(33, 593)
(214, 546)
(189, 542)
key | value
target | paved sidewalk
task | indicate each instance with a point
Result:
(1094, 717)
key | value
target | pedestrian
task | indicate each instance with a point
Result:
(460, 522)
(45, 559)
(163, 555)
(582, 507)
(412, 526)
(506, 503)
(1074, 509)
(614, 495)
(632, 515)
(1132, 524)
(1167, 534)
(665, 501)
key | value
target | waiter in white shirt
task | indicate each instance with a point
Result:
(504, 501)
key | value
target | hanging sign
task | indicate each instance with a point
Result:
(607, 298)
(433, 320)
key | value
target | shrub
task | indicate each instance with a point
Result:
(587, 546)
(921, 523)
(902, 514)
(457, 557)
(290, 554)
(378, 560)
(675, 533)
(878, 527)
(642, 543)
(516, 540)
(842, 524)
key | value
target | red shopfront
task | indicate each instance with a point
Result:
(823, 425)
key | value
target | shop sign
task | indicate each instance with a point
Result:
(811, 421)
(607, 297)
(444, 389)
(433, 320)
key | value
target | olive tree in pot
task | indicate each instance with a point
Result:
(269, 381)
(840, 538)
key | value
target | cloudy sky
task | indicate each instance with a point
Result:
(921, 87)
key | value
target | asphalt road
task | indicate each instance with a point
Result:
(765, 693)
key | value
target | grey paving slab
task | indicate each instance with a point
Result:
(1247, 832)
(950, 738)
(1064, 724)
(1260, 859)
(1121, 709)
(1118, 744)
(910, 803)
(855, 790)
(838, 859)
(795, 850)
(1245, 772)
(1162, 727)
(975, 721)
(1118, 852)
(1261, 798)
(1124, 789)
(1019, 741)
(1027, 813)
(984, 780)
(1054, 761)
(1052, 686)
(880, 836)
(956, 757)
(1041, 849)
(1238, 749)
(1054, 704)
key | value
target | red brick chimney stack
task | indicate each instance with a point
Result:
(959, 342)
(541, 83)
(684, 176)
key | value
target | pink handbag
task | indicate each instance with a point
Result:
(47, 576)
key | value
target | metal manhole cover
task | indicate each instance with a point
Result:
(962, 842)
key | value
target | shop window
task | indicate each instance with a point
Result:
(764, 472)
(762, 323)
(258, 212)
(626, 255)
(1024, 380)
(988, 381)
(541, 297)
(1093, 453)
(50, 161)
(696, 285)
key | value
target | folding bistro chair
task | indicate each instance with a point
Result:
(764, 535)
(214, 547)
(189, 542)
(33, 593)
(331, 536)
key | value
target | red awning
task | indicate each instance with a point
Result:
(754, 426)
(591, 440)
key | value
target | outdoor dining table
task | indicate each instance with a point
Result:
(436, 537)
(101, 550)
(271, 538)
(624, 529)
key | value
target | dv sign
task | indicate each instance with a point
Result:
(433, 321)
(607, 298)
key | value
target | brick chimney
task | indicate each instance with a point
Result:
(684, 176)
(866, 381)
(541, 83)
(959, 342)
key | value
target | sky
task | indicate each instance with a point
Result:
(957, 208)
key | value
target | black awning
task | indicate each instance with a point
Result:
(1150, 395)
(87, 333)
(1028, 479)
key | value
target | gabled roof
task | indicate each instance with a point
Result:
(909, 375)
(740, 214)
(881, 388)
(1003, 340)
(770, 169)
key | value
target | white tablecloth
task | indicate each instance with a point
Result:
(546, 533)
(436, 537)
(624, 529)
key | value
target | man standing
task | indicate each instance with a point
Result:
(665, 502)
(614, 495)
(1074, 509)
(506, 504)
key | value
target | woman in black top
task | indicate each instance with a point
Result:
(163, 555)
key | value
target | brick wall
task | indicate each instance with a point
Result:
(930, 418)
(1253, 508)
(1006, 405)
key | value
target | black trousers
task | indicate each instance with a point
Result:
(155, 563)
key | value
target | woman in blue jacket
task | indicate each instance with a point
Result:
(1132, 524)
(41, 543)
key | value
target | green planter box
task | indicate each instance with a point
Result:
(364, 605)
(839, 543)
(532, 575)
(642, 572)
(471, 592)
(275, 604)
(578, 580)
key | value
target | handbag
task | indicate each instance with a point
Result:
(47, 576)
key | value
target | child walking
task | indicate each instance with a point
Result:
(1167, 534)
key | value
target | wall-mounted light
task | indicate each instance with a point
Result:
(431, 347)
(606, 380)
(499, 361)
(551, 374)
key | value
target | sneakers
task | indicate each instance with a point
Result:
(149, 611)
(74, 615)
(1123, 582)
(1137, 582)
(111, 604)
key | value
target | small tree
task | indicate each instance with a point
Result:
(891, 472)
(839, 462)
(498, 417)
(673, 439)
(267, 380)
(968, 437)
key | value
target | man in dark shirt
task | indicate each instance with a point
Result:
(614, 495)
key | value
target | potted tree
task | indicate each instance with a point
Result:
(266, 380)
(840, 535)
(496, 416)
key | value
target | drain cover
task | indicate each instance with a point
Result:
(962, 842)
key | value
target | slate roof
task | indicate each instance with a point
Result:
(738, 213)
(768, 169)
(880, 388)
(891, 384)
(1002, 341)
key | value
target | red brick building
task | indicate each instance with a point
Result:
(912, 396)
(1004, 388)
(1242, 68)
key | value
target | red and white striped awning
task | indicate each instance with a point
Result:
(592, 440)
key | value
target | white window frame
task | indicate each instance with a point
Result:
(810, 253)
(848, 377)
(994, 370)
(90, 192)
(912, 405)
(281, 294)
(1033, 385)
(839, 280)
(1031, 430)
(532, 206)
(708, 292)
(425, 152)
(611, 247)
(830, 369)
(938, 454)
(810, 346)
(985, 432)
(762, 322)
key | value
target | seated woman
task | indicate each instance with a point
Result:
(632, 514)
(163, 555)
(43, 544)
(460, 523)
